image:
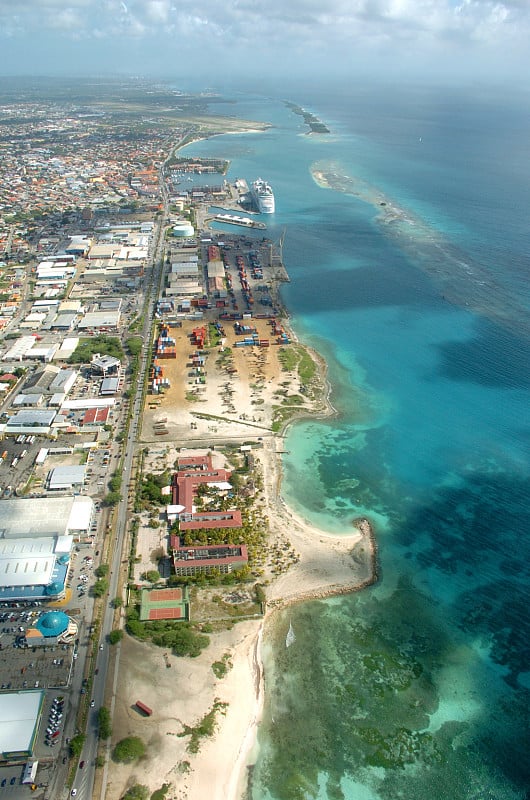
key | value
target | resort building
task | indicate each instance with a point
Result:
(193, 472)
(195, 559)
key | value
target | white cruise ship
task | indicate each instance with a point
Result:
(263, 196)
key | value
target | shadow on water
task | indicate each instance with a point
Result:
(459, 278)
(483, 360)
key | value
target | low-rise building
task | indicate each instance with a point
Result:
(193, 560)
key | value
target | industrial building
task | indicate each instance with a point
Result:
(19, 721)
(105, 365)
(66, 478)
(36, 539)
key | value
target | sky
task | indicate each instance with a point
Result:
(458, 39)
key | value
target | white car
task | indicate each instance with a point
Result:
(73, 792)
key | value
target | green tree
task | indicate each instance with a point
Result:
(111, 499)
(100, 587)
(102, 570)
(134, 345)
(115, 483)
(152, 575)
(117, 602)
(115, 636)
(128, 750)
(76, 745)
(87, 347)
(136, 792)
(104, 726)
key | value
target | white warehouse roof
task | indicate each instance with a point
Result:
(28, 417)
(45, 516)
(19, 349)
(66, 477)
(27, 566)
(19, 714)
(80, 514)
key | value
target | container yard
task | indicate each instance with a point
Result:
(209, 345)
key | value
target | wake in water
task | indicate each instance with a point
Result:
(290, 638)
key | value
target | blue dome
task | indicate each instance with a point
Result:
(53, 623)
(54, 588)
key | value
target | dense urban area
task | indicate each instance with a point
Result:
(116, 296)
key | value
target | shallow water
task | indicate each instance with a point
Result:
(417, 687)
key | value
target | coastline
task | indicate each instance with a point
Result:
(329, 566)
(326, 565)
(323, 565)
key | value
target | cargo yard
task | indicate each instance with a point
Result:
(202, 361)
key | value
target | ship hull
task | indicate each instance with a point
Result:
(263, 197)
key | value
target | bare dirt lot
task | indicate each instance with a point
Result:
(231, 395)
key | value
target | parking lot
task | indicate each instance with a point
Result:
(27, 667)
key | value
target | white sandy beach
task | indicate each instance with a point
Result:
(240, 408)
(186, 691)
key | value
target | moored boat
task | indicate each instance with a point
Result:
(263, 196)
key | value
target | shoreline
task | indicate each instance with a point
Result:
(321, 565)
(246, 758)
(347, 563)
(328, 565)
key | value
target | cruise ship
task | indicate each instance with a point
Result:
(263, 196)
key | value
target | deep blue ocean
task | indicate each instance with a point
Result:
(412, 278)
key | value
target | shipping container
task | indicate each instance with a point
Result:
(142, 707)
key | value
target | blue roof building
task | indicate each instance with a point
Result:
(53, 623)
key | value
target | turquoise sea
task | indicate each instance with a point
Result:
(412, 279)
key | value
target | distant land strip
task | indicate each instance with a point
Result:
(315, 124)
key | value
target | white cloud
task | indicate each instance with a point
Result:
(336, 32)
(158, 11)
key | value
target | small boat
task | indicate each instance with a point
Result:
(290, 638)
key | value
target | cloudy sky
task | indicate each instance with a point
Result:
(213, 38)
